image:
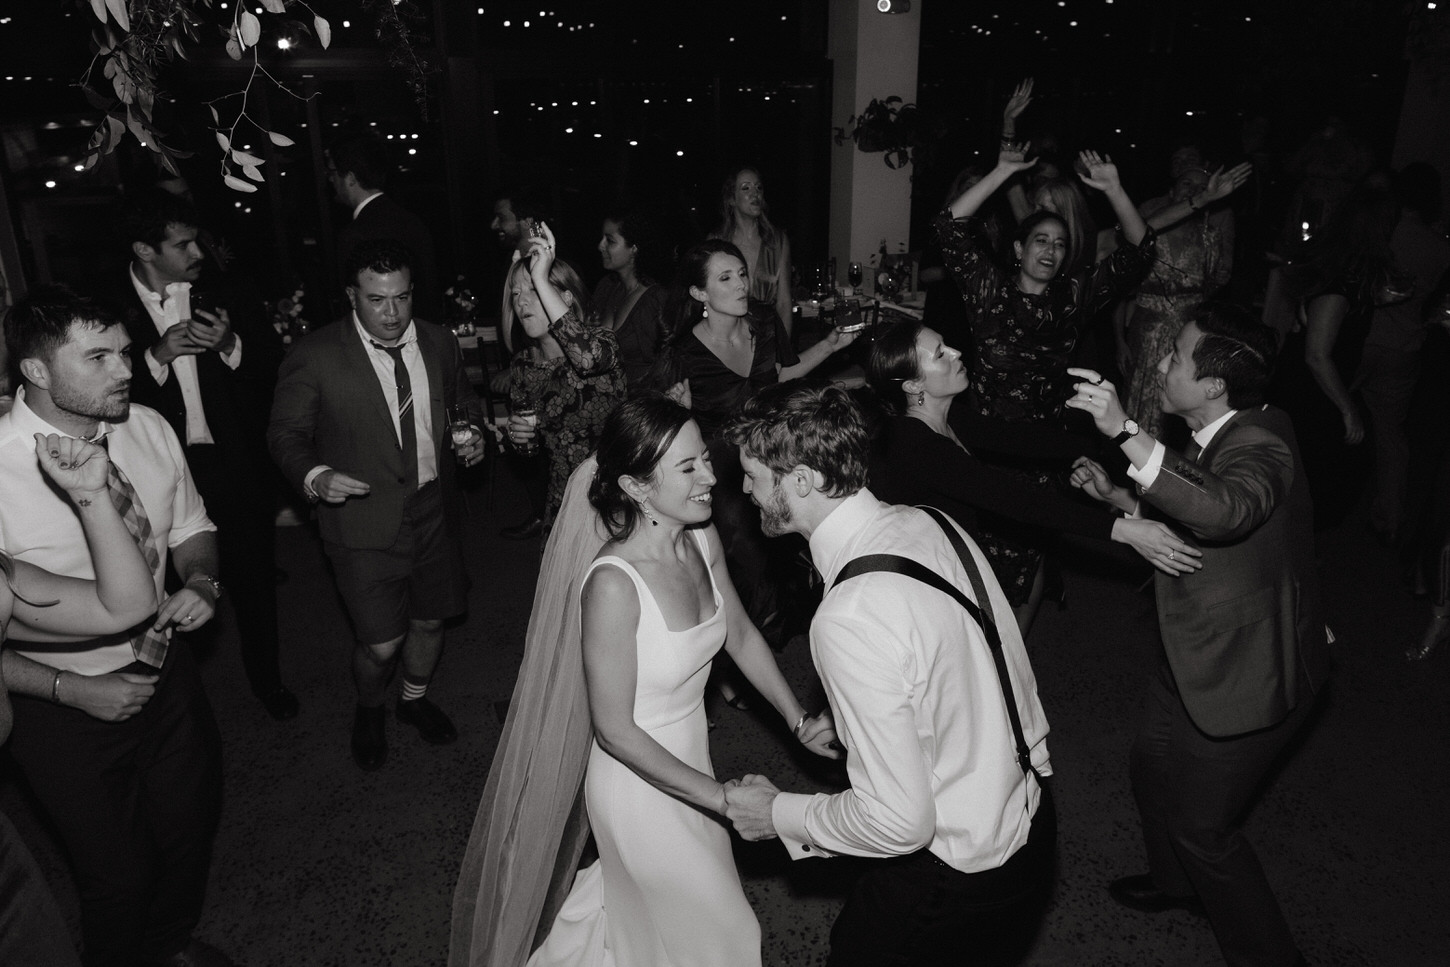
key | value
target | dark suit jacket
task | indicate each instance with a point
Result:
(330, 409)
(236, 401)
(385, 218)
(1245, 635)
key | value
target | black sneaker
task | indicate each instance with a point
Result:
(428, 719)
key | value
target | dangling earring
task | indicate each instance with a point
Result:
(704, 311)
(921, 398)
(643, 509)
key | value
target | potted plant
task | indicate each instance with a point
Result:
(902, 132)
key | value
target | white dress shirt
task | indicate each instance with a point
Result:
(422, 411)
(915, 693)
(38, 524)
(1145, 475)
(164, 314)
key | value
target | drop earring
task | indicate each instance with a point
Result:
(643, 509)
(704, 311)
(921, 398)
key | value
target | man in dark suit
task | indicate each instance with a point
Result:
(205, 357)
(346, 431)
(358, 168)
(1244, 649)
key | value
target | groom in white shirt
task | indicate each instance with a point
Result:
(945, 780)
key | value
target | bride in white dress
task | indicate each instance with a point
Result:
(655, 605)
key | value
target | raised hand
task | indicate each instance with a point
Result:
(838, 340)
(1157, 544)
(680, 393)
(1098, 398)
(77, 467)
(1089, 476)
(1018, 102)
(1101, 174)
(1222, 183)
(541, 254)
(1013, 158)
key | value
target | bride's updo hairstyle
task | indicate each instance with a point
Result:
(632, 443)
(894, 361)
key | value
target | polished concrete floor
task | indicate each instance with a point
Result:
(318, 863)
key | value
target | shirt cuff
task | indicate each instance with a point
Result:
(159, 371)
(788, 815)
(312, 475)
(1145, 475)
(233, 359)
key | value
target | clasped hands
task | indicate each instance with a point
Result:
(748, 804)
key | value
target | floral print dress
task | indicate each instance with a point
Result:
(1023, 346)
(572, 395)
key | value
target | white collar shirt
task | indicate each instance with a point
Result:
(917, 704)
(418, 380)
(1145, 475)
(165, 313)
(38, 524)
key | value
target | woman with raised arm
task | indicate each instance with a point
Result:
(1194, 260)
(1026, 320)
(569, 375)
(745, 223)
(653, 607)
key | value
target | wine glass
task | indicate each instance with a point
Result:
(524, 406)
(853, 276)
(461, 429)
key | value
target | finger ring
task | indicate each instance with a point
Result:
(1096, 382)
(186, 617)
(1171, 557)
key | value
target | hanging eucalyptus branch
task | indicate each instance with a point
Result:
(137, 39)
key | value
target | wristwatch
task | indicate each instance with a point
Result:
(209, 581)
(1130, 429)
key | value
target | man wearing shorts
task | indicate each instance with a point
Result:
(346, 431)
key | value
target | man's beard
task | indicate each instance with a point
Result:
(775, 515)
(103, 406)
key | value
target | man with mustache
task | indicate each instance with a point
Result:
(205, 357)
(933, 698)
(114, 734)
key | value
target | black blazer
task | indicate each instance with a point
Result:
(236, 401)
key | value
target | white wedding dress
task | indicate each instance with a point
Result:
(664, 891)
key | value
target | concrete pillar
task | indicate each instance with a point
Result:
(875, 55)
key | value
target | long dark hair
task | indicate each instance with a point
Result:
(640, 229)
(683, 311)
(631, 444)
(1030, 224)
(894, 361)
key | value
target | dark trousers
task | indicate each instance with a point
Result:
(136, 806)
(32, 933)
(240, 500)
(915, 910)
(1193, 791)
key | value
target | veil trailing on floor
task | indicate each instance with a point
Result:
(530, 829)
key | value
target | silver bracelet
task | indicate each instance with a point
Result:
(801, 721)
(55, 687)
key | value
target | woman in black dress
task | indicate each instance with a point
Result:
(926, 453)
(723, 349)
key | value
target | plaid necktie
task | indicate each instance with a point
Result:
(149, 645)
(406, 429)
